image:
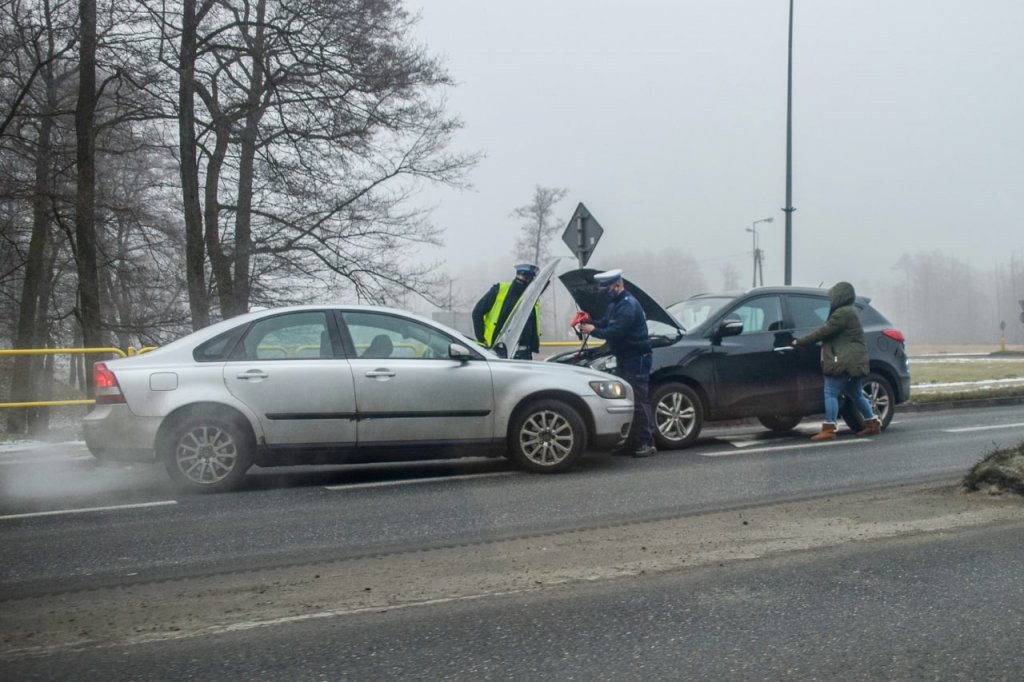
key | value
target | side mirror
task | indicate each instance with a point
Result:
(731, 326)
(456, 351)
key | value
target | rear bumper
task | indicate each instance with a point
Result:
(113, 432)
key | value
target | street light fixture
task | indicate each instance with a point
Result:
(758, 269)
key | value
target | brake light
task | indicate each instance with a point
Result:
(896, 335)
(108, 391)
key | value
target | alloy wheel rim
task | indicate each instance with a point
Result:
(206, 454)
(675, 416)
(546, 438)
(878, 399)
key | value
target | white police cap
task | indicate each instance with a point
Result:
(527, 268)
(608, 278)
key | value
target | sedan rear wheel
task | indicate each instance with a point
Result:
(678, 416)
(207, 454)
(548, 436)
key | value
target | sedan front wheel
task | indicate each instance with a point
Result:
(548, 436)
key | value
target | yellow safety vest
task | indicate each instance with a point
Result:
(491, 318)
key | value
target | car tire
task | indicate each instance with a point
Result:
(678, 416)
(879, 393)
(547, 436)
(780, 422)
(207, 454)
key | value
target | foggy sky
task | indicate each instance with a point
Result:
(667, 119)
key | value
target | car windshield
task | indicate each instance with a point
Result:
(695, 311)
(655, 328)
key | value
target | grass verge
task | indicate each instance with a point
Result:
(923, 398)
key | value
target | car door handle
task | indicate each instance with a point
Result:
(252, 374)
(380, 373)
(781, 349)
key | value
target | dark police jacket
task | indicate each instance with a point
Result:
(624, 327)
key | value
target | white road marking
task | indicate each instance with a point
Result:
(784, 448)
(431, 479)
(966, 429)
(87, 510)
(47, 460)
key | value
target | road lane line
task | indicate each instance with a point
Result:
(966, 429)
(48, 460)
(431, 479)
(87, 510)
(747, 451)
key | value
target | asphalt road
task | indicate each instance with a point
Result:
(946, 608)
(289, 517)
(69, 524)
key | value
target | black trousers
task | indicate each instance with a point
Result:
(636, 371)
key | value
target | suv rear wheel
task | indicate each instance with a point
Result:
(678, 415)
(879, 393)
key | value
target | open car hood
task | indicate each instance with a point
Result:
(591, 298)
(509, 334)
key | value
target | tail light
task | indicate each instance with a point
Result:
(896, 335)
(108, 391)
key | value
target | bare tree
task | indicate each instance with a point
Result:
(309, 124)
(538, 225)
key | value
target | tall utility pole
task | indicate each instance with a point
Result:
(789, 156)
(758, 265)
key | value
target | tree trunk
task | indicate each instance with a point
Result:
(254, 112)
(220, 265)
(85, 204)
(199, 302)
(22, 387)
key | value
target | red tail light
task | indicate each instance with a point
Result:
(896, 335)
(108, 391)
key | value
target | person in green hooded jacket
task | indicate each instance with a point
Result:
(844, 361)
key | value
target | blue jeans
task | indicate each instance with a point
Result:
(636, 371)
(853, 388)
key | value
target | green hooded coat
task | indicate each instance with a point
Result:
(843, 350)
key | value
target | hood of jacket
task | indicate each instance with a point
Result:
(842, 293)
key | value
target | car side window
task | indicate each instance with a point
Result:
(379, 335)
(809, 312)
(761, 314)
(292, 336)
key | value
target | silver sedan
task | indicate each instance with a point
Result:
(336, 384)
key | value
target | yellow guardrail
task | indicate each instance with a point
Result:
(67, 351)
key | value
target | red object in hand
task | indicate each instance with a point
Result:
(580, 318)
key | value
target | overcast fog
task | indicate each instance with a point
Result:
(668, 120)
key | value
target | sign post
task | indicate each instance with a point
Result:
(582, 234)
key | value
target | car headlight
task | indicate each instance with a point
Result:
(605, 363)
(609, 389)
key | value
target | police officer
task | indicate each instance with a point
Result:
(497, 304)
(624, 329)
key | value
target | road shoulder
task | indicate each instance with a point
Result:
(211, 605)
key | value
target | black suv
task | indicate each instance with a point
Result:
(728, 356)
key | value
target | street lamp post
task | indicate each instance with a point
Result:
(758, 269)
(789, 156)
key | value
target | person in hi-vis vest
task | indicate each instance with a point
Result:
(493, 309)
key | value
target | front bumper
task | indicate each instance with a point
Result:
(611, 423)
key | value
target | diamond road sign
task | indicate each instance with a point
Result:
(582, 234)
